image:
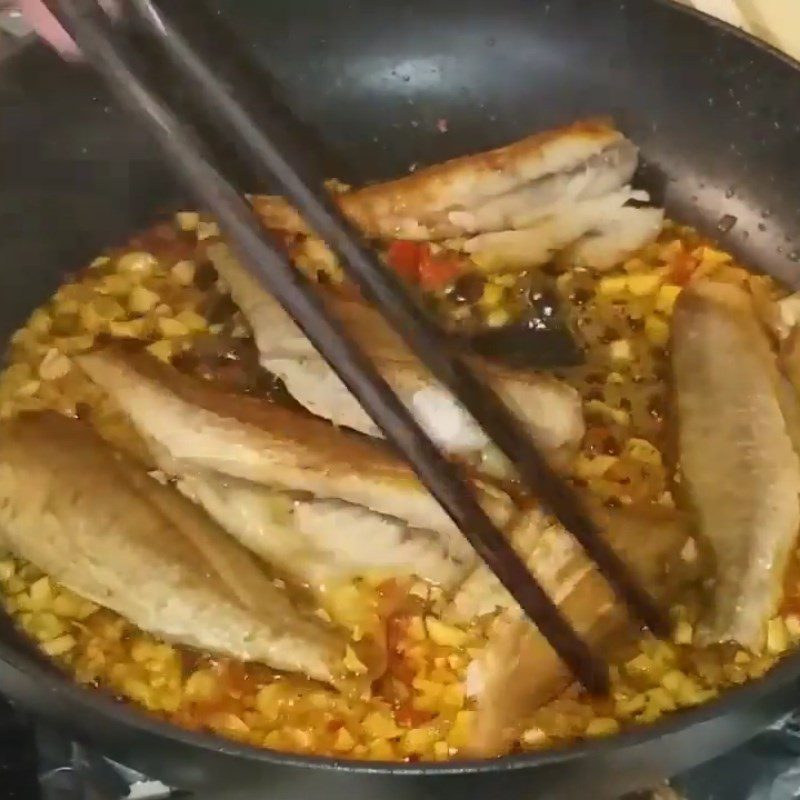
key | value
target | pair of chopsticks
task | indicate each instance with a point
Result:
(266, 138)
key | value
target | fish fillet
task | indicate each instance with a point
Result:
(321, 542)
(519, 671)
(93, 520)
(563, 187)
(738, 466)
(551, 408)
(598, 232)
(200, 428)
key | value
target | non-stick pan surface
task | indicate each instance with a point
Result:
(390, 83)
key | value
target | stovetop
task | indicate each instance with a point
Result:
(37, 763)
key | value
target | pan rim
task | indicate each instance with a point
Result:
(50, 679)
(715, 22)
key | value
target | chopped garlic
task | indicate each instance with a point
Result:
(206, 230)
(193, 321)
(137, 262)
(613, 285)
(7, 570)
(594, 467)
(344, 741)
(689, 551)
(788, 314)
(115, 285)
(644, 451)
(441, 751)
(443, 634)
(498, 318)
(474, 681)
(171, 327)
(28, 389)
(128, 329)
(621, 350)
(417, 740)
(453, 695)
(777, 636)
(187, 220)
(352, 662)
(39, 322)
(711, 255)
(683, 633)
(627, 706)
(601, 409)
(657, 330)
(40, 593)
(667, 295)
(161, 349)
(96, 314)
(60, 645)
(602, 726)
(381, 726)
(141, 300)
(643, 285)
(792, 622)
(54, 365)
(634, 265)
(75, 344)
(461, 732)
(183, 272)
(534, 736)
(666, 499)
(492, 295)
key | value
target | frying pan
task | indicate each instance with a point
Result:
(718, 120)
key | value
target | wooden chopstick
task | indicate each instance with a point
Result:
(267, 137)
(185, 154)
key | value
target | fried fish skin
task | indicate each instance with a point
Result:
(98, 524)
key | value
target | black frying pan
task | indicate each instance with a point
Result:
(718, 119)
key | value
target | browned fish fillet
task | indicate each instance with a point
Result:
(519, 670)
(564, 188)
(551, 408)
(89, 517)
(197, 428)
(739, 469)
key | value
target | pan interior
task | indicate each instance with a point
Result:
(714, 115)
